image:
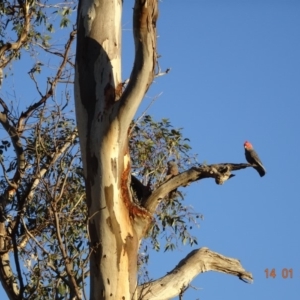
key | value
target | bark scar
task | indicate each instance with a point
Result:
(133, 209)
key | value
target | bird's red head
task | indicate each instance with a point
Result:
(248, 145)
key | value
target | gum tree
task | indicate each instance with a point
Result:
(121, 208)
(62, 221)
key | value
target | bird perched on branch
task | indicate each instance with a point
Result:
(171, 172)
(253, 159)
(172, 169)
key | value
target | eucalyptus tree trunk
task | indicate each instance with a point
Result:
(104, 111)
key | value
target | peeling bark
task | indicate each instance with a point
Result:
(195, 263)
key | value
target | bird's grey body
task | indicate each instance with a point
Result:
(253, 159)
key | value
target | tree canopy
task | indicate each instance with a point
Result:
(45, 222)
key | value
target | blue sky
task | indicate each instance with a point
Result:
(235, 76)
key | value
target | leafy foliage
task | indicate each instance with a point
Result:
(42, 191)
(152, 145)
(26, 24)
(52, 226)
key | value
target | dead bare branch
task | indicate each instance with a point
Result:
(220, 172)
(196, 262)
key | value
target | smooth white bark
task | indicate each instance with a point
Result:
(103, 115)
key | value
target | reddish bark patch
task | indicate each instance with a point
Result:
(147, 15)
(133, 209)
(119, 90)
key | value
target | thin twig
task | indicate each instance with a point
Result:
(144, 112)
(25, 115)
